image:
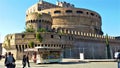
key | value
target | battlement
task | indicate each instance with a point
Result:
(83, 34)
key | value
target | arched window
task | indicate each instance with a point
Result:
(68, 11)
(23, 35)
(20, 48)
(57, 12)
(25, 46)
(17, 47)
(39, 20)
(51, 36)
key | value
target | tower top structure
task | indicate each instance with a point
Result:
(64, 4)
(40, 0)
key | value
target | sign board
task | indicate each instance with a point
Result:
(81, 56)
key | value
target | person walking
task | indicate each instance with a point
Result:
(117, 57)
(24, 60)
(13, 63)
(27, 59)
(9, 60)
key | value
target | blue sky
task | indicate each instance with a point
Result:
(12, 14)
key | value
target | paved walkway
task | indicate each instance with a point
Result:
(67, 63)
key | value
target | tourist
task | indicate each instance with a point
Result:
(6, 54)
(24, 60)
(13, 61)
(117, 57)
(9, 60)
(27, 59)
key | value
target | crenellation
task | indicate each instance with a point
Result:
(75, 32)
(81, 33)
(86, 34)
(78, 33)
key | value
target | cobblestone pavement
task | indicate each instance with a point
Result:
(67, 65)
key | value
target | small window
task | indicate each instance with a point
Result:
(45, 45)
(51, 36)
(23, 36)
(96, 15)
(25, 46)
(35, 45)
(92, 14)
(54, 45)
(39, 8)
(57, 12)
(41, 45)
(68, 11)
(10, 37)
(38, 44)
(79, 12)
(39, 20)
(87, 13)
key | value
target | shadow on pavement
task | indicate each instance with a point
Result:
(80, 62)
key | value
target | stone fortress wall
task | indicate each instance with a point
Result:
(77, 42)
(76, 30)
(21, 41)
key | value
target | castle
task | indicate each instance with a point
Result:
(75, 30)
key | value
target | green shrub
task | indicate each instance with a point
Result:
(31, 44)
(39, 37)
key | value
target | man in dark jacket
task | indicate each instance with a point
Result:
(24, 61)
(27, 59)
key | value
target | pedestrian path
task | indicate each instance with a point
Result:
(72, 63)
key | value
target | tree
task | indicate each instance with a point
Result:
(108, 47)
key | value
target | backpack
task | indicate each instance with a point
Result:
(9, 60)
